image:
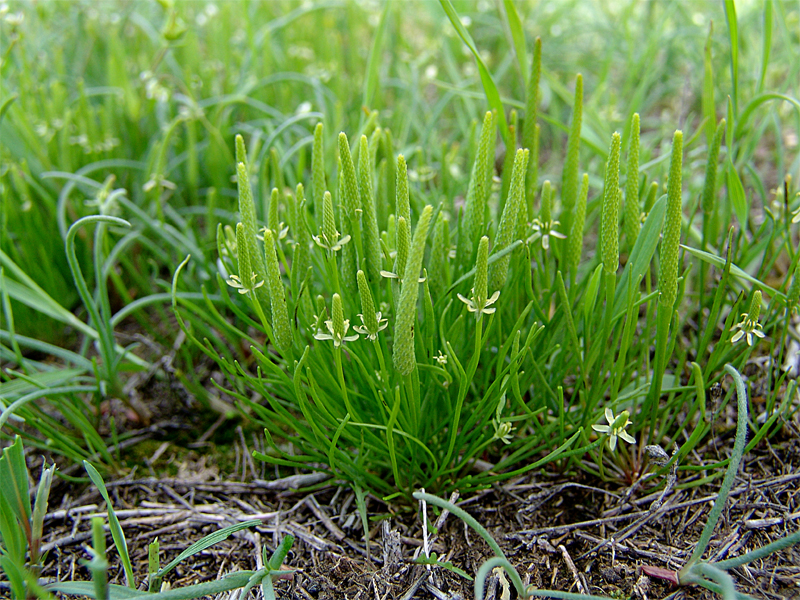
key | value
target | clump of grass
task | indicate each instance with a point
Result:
(467, 383)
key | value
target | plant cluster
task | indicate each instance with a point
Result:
(436, 299)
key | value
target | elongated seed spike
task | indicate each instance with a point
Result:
(546, 211)
(575, 241)
(372, 249)
(302, 258)
(351, 199)
(403, 356)
(241, 152)
(480, 288)
(328, 219)
(243, 257)
(530, 138)
(374, 145)
(440, 250)
(755, 307)
(318, 165)
(609, 225)
(322, 309)
(402, 201)
(247, 213)
(569, 176)
(382, 195)
(632, 208)
(532, 179)
(367, 303)
(670, 244)
(337, 316)
(275, 168)
(508, 161)
(508, 221)
(281, 325)
(348, 263)
(710, 185)
(651, 197)
(477, 192)
(272, 217)
(403, 243)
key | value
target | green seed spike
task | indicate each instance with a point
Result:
(241, 152)
(404, 356)
(351, 199)
(318, 165)
(530, 136)
(348, 263)
(272, 216)
(403, 243)
(374, 144)
(243, 258)
(275, 168)
(569, 176)
(710, 186)
(651, 197)
(391, 165)
(508, 162)
(329, 220)
(402, 202)
(440, 250)
(575, 241)
(670, 244)
(508, 222)
(372, 248)
(632, 209)
(247, 212)
(477, 193)
(367, 303)
(755, 307)
(281, 325)
(337, 317)
(302, 238)
(545, 214)
(480, 288)
(609, 225)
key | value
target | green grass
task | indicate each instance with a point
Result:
(638, 220)
(419, 302)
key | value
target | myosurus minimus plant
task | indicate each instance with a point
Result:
(397, 338)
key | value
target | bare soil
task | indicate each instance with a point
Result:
(563, 532)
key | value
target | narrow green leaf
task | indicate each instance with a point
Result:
(737, 196)
(206, 542)
(489, 87)
(719, 262)
(518, 38)
(709, 114)
(113, 524)
(374, 63)
(766, 43)
(733, 35)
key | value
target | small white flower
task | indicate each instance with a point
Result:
(372, 335)
(235, 282)
(546, 231)
(615, 428)
(338, 340)
(441, 358)
(747, 328)
(480, 306)
(331, 245)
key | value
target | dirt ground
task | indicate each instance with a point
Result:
(189, 476)
(562, 532)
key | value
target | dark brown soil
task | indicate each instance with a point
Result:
(562, 533)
